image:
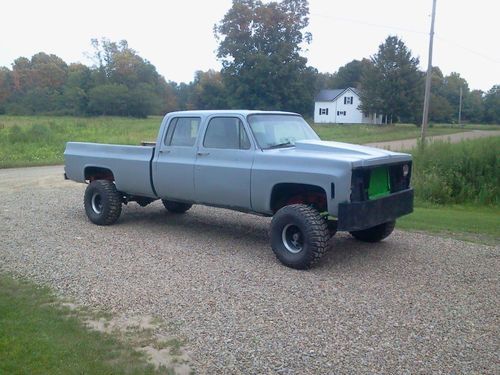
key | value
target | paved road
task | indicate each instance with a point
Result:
(410, 304)
(408, 144)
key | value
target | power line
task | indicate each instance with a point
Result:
(397, 28)
(493, 60)
(369, 23)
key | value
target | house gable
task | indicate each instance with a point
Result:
(339, 106)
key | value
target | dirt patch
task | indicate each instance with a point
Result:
(144, 333)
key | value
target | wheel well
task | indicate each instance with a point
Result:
(98, 173)
(289, 193)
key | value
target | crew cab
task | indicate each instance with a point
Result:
(261, 162)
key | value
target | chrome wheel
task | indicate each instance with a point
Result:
(96, 202)
(292, 238)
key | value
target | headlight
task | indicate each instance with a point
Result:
(406, 170)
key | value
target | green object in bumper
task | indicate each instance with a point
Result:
(379, 183)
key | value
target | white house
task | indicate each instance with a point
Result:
(341, 106)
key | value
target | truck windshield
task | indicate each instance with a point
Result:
(276, 131)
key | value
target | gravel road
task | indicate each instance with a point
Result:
(408, 144)
(410, 304)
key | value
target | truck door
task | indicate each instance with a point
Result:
(223, 164)
(174, 167)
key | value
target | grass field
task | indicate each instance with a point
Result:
(39, 336)
(40, 140)
(465, 222)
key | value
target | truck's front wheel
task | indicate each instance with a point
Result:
(103, 203)
(376, 233)
(299, 236)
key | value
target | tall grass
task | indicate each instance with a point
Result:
(466, 172)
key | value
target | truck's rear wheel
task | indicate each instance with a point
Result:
(376, 233)
(103, 203)
(176, 207)
(299, 236)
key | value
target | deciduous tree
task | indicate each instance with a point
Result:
(393, 84)
(492, 105)
(259, 46)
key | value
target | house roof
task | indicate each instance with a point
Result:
(331, 95)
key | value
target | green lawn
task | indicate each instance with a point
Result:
(39, 336)
(465, 222)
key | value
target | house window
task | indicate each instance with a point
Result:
(323, 111)
(341, 113)
(348, 99)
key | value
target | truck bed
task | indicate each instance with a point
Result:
(130, 165)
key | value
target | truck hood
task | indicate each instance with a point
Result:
(359, 156)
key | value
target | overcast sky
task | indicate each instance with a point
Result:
(177, 37)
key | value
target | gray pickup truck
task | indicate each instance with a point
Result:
(266, 163)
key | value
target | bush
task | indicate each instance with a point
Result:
(466, 172)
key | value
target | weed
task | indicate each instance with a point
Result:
(469, 171)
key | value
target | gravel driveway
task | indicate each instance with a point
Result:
(411, 304)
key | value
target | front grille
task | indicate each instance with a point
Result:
(370, 183)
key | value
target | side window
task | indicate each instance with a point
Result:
(182, 131)
(226, 133)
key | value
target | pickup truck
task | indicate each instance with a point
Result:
(260, 162)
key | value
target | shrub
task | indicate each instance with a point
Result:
(458, 173)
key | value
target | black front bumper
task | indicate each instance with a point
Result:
(366, 214)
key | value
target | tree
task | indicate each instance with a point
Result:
(169, 95)
(451, 89)
(48, 71)
(74, 99)
(116, 64)
(208, 91)
(440, 109)
(492, 105)
(324, 81)
(5, 88)
(350, 75)
(21, 75)
(393, 84)
(109, 99)
(260, 46)
(473, 106)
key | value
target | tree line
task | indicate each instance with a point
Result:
(260, 48)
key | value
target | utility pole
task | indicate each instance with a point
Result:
(425, 116)
(460, 108)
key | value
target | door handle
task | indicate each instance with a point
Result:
(164, 151)
(199, 153)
